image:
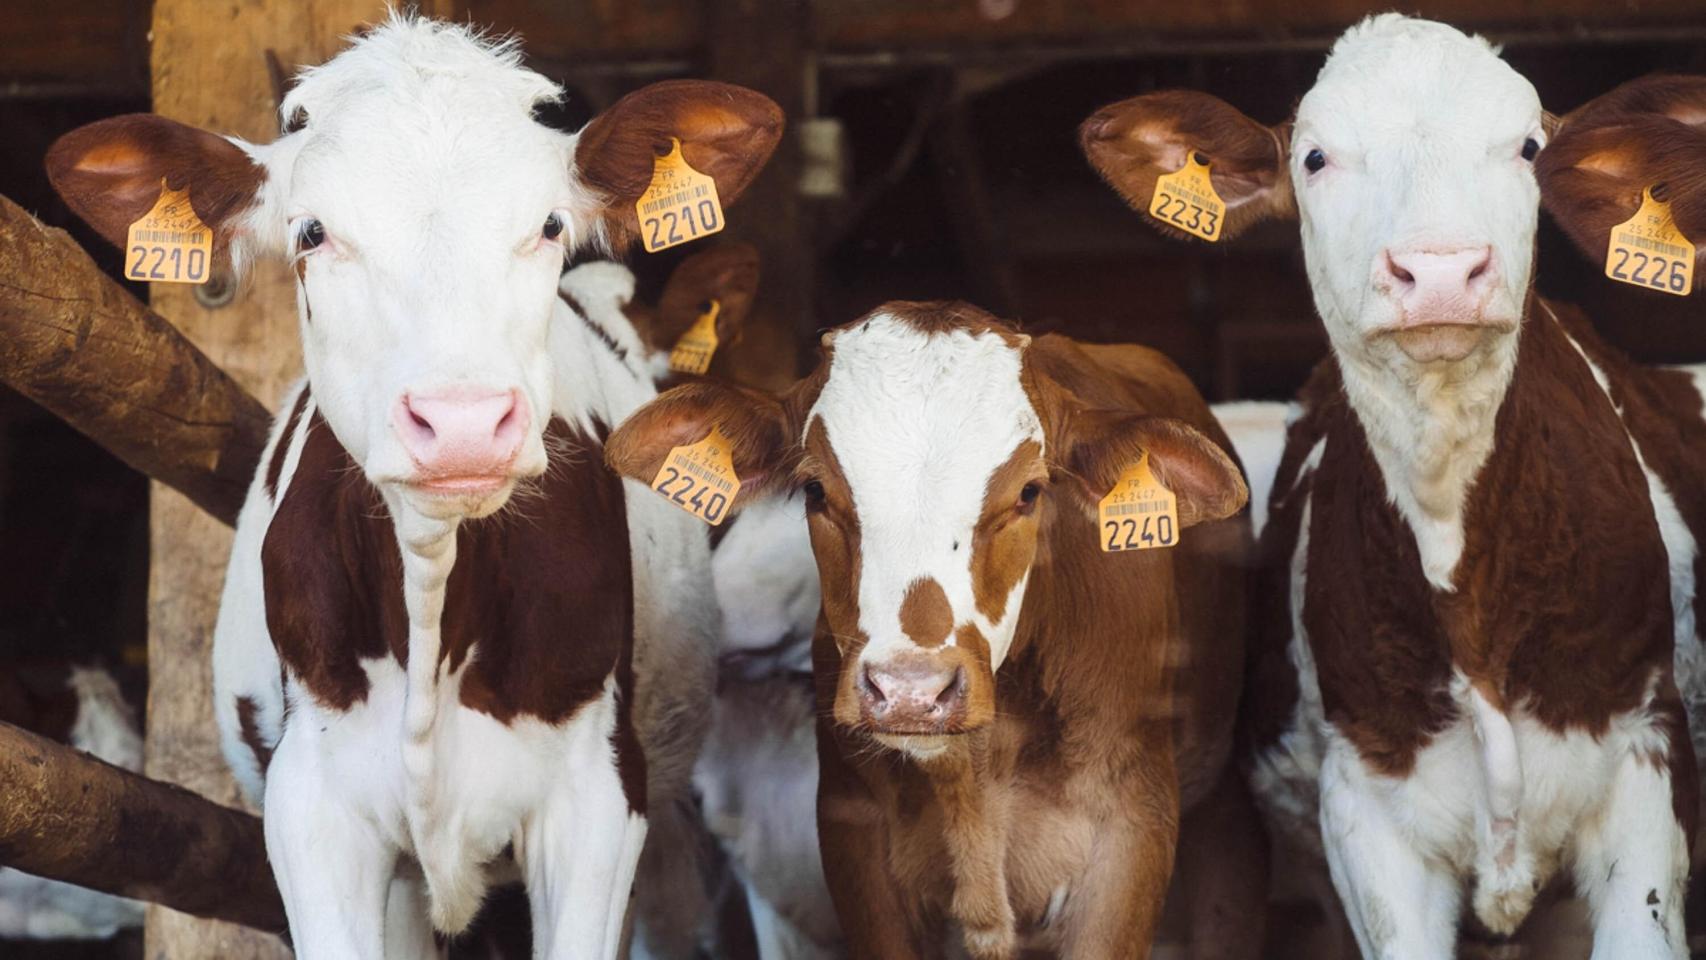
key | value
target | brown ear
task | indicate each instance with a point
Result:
(1134, 142)
(726, 132)
(754, 421)
(1647, 133)
(110, 172)
(1101, 444)
(726, 273)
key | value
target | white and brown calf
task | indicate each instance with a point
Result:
(1480, 585)
(415, 678)
(81, 706)
(1004, 755)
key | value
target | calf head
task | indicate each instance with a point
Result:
(934, 458)
(1647, 134)
(1410, 166)
(426, 215)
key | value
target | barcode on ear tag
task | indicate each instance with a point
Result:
(700, 477)
(1648, 250)
(1186, 199)
(169, 244)
(1138, 513)
(692, 353)
(680, 205)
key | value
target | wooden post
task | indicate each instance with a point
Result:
(210, 70)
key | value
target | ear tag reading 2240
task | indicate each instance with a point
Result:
(692, 353)
(1649, 251)
(700, 477)
(169, 244)
(1138, 513)
(1186, 199)
(680, 205)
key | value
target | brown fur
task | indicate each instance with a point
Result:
(925, 616)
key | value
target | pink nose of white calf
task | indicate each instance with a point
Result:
(1424, 280)
(462, 433)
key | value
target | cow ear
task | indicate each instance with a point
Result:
(726, 273)
(1101, 444)
(726, 132)
(1134, 142)
(110, 173)
(1647, 134)
(755, 422)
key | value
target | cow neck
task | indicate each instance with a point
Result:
(1430, 430)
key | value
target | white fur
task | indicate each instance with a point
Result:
(767, 582)
(1257, 430)
(919, 422)
(35, 908)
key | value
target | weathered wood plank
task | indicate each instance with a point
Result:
(79, 344)
(69, 816)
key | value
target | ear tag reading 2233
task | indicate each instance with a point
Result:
(1649, 251)
(680, 205)
(692, 353)
(169, 244)
(1138, 513)
(1186, 199)
(700, 477)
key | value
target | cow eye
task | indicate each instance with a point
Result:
(553, 226)
(309, 235)
(1314, 160)
(1028, 495)
(813, 490)
(1530, 148)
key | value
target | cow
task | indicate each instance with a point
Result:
(1478, 632)
(757, 776)
(448, 633)
(80, 705)
(1001, 749)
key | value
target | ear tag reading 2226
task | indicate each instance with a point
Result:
(700, 477)
(1186, 199)
(692, 353)
(169, 244)
(1138, 513)
(1649, 251)
(680, 205)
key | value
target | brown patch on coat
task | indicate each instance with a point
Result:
(925, 616)
(250, 730)
(275, 466)
(1004, 542)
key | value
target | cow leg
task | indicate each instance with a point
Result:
(671, 903)
(408, 927)
(1399, 905)
(1632, 866)
(1223, 872)
(332, 865)
(578, 854)
(1113, 912)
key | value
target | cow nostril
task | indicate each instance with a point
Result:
(954, 691)
(420, 421)
(869, 688)
(1404, 276)
(510, 419)
(1481, 268)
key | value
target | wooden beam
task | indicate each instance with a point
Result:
(211, 71)
(69, 816)
(76, 342)
(88, 48)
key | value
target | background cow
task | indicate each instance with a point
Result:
(461, 682)
(1481, 587)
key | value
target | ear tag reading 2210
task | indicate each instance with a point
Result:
(692, 353)
(169, 244)
(1186, 199)
(680, 205)
(700, 477)
(1649, 251)
(1138, 513)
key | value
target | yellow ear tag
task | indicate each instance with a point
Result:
(692, 353)
(1138, 513)
(680, 205)
(169, 244)
(700, 477)
(1186, 199)
(1649, 251)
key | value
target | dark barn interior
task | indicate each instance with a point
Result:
(949, 168)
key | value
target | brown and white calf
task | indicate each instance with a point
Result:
(410, 677)
(1002, 747)
(1480, 625)
(81, 706)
